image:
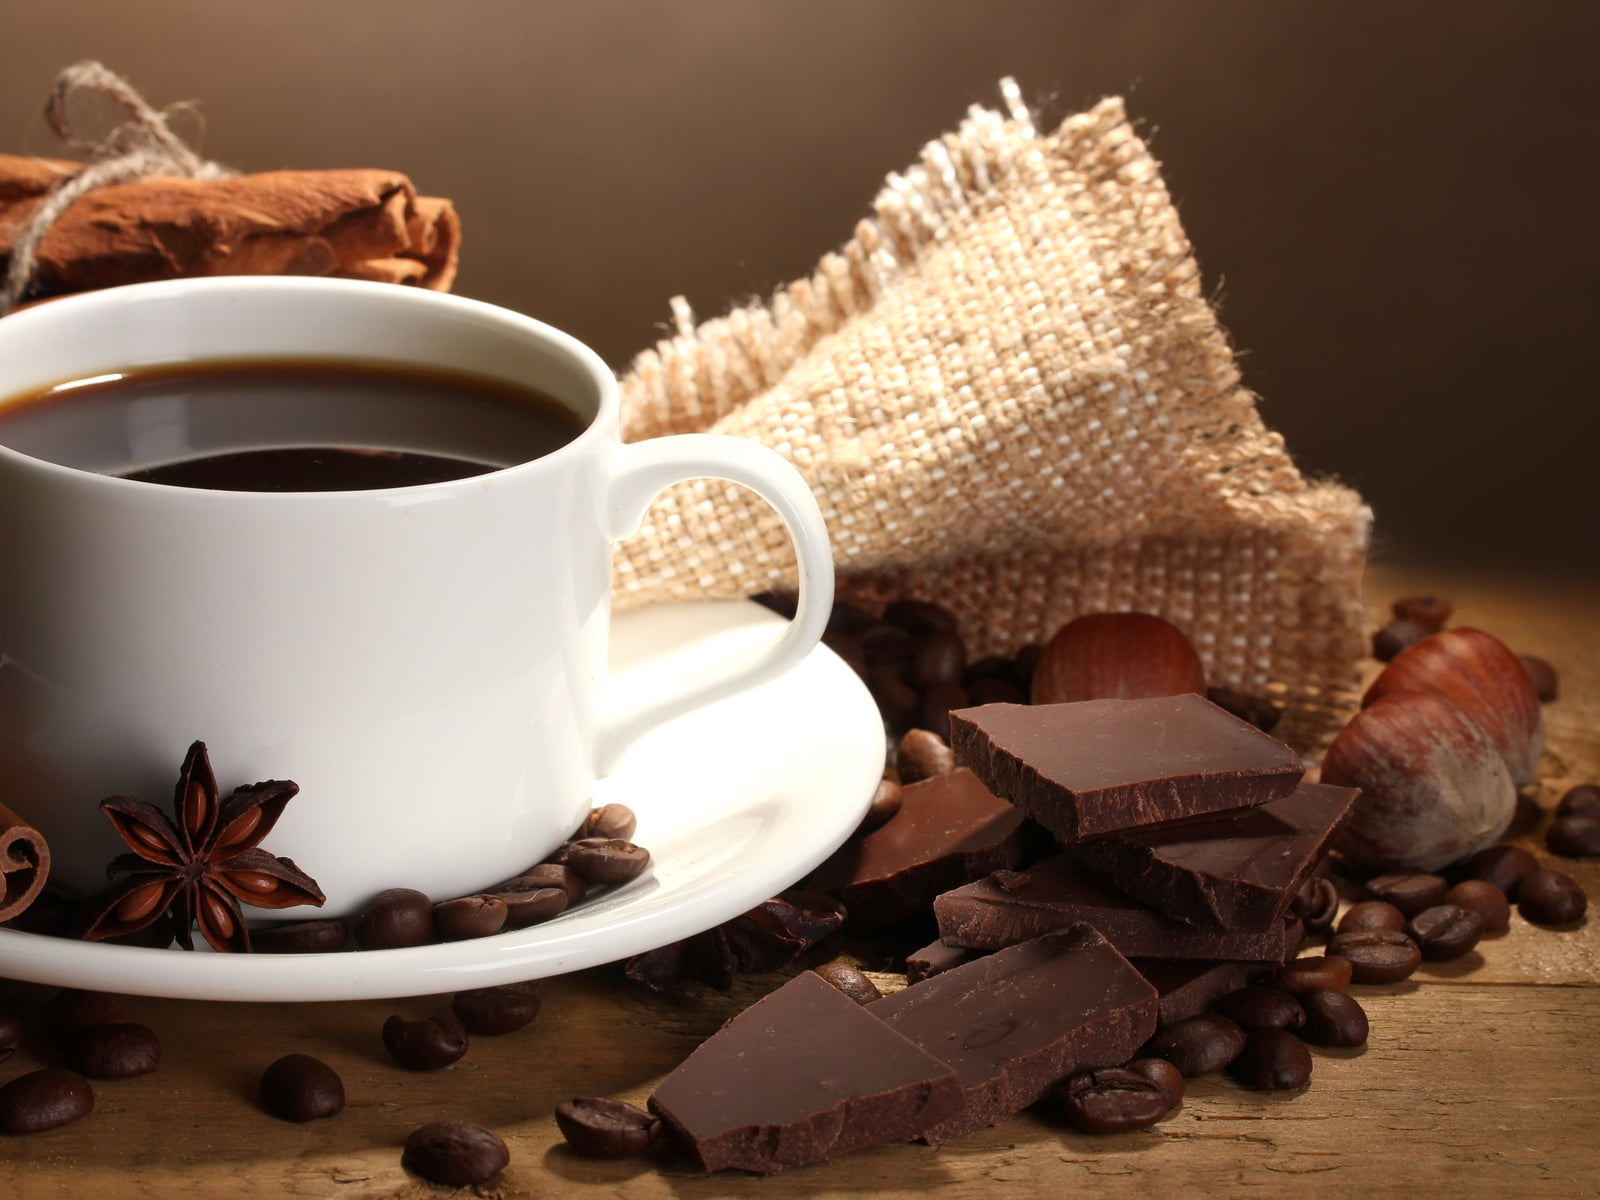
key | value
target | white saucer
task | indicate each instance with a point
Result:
(736, 801)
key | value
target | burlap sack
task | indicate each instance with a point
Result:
(1011, 397)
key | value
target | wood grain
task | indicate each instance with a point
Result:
(1481, 1078)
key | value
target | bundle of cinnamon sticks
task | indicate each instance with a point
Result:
(358, 224)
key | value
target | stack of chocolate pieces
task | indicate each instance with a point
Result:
(1183, 834)
(1097, 870)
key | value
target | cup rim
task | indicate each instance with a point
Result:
(606, 414)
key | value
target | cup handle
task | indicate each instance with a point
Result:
(640, 472)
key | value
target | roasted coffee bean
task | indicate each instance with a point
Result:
(1399, 634)
(990, 666)
(1548, 897)
(597, 1127)
(1409, 893)
(1431, 612)
(920, 616)
(469, 917)
(1316, 904)
(1257, 710)
(937, 702)
(848, 618)
(1483, 898)
(849, 980)
(529, 901)
(1377, 955)
(554, 874)
(1546, 683)
(994, 691)
(1273, 1060)
(1113, 1100)
(300, 1088)
(939, 657)
(1333, 1019)
(884, 644)
(609, 821)
(455, 1153)
(494, 1011)
(1315, 973)
(785, 604)
(1260, 1006)
(922, 755)
(1445, 932)
(1580, 801)
(1574, 837)
(847, 648)
(114, 1051)
(1026, 662)
(898, 701)
(1164, 1075)
(1372, 914)
(10, 1033)
(884, 804)
(44, 1099)
(424, 1045)
(72, 1010)
(1199, 1045)
(393, 919)
(1503, 866)
(604, 860)
(300, 937)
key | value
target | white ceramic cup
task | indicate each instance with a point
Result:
(426, 662)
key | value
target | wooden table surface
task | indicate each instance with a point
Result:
(1481, 1077)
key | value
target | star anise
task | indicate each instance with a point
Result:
(203, 865)
(762, 939)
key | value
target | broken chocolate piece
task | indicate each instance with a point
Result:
(950, 830)
(1231, 870)
(936, 959)
(1060, 892)
(1099, 766)
(800, 1076)
(1015, 1023)
(1188, 988)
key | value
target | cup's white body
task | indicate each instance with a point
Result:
(424, 662)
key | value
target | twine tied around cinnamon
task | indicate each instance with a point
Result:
(142, 146)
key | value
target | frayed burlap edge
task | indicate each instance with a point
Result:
(1200, 517)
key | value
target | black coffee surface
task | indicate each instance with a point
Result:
(287, 425)
(310, 469)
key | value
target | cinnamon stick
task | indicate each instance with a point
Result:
(24, 864)
(356, 224)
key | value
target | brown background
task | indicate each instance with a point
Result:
(1391, 201)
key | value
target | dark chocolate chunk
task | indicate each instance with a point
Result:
(950, 829)
(1100, 766)
(800, 1076)
(1059, 892)
(1233, 870)
(935, 959)
(1015, 1022)
(1188, 988)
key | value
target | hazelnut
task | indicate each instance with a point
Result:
(1434, 787)
(1117, 656)
(1480, 675)
(1429, 611)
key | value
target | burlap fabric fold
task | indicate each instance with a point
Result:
(1011, 396)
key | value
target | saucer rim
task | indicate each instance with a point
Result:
(638, 916)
